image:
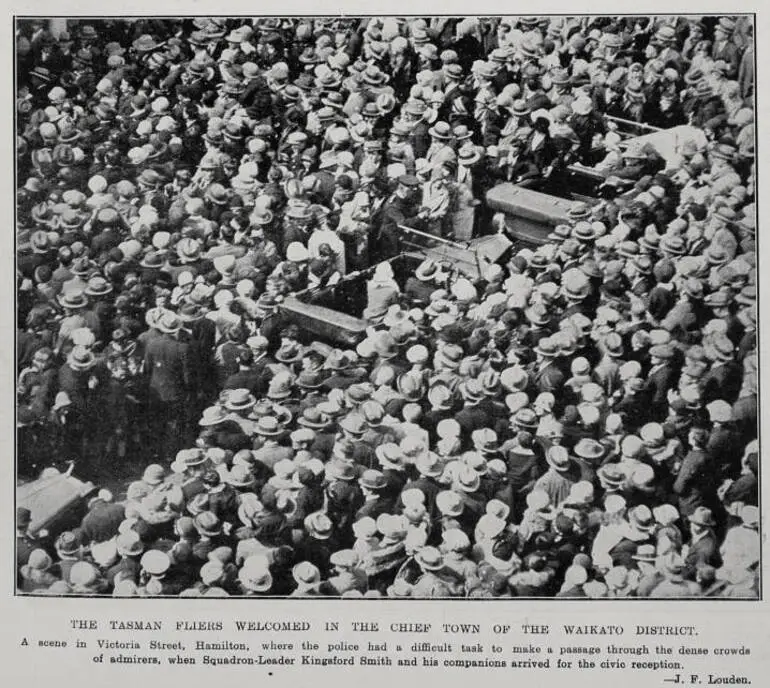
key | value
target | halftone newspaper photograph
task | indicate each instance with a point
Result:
(398, 307)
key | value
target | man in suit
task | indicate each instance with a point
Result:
(545, 374)
(661, 378)
(25, 543)
(472, 416)
(376, 500)
(167, 362)
(247, 377)
(724, 378)
(724, 49)
(401, 208)
(703, 549)
(694, 484)
(429, 469)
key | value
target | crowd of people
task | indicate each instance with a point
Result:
(580, 421)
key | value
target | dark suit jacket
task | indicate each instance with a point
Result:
(722, 382)
(168, 363)
(375, 507)
(548, 379)
(660, 301)
(704, 551)
(657, 386)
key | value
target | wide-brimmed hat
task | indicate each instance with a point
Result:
(610, 475)
(373, 76)
(471, 391)
(384, 345)
(449, 503)
(144, 44)
(310, 379)
(73, 299)
(428, 464)
(256, 576)
(588, 449)
(389, 454)
(290, 352)
(208, 524)
(468, 155)
(354, 424)
(129, 544)
(239, 400)
(240, 475)
(169, 322)
(98, 286)
(429, 559)
(441, 130)
(154, 474)
(306, 574)
(313, 418)
(81, 358)
(641, 518)
(579, 211)
(338, 469)
(318, 525)
(547, 347)
(373, 480)
(280, 387)
(213, 415)
(672, 244)
(467, 479)
(584, 231)
(538, 314)
(558, 458)
(268, 426)
(188, 250)
(440, 396)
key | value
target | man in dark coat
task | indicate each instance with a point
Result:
(167, 362)
(694, 484)
(102, 520)
(703, 547)
(723, 380)
(399, 209)
(661, 378)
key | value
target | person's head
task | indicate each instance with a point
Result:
(697, 438)
(42, 359)
(405, 190)
(541, 125)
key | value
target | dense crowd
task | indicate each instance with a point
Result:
(581, 421)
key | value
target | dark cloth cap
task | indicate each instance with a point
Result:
(409, 180)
